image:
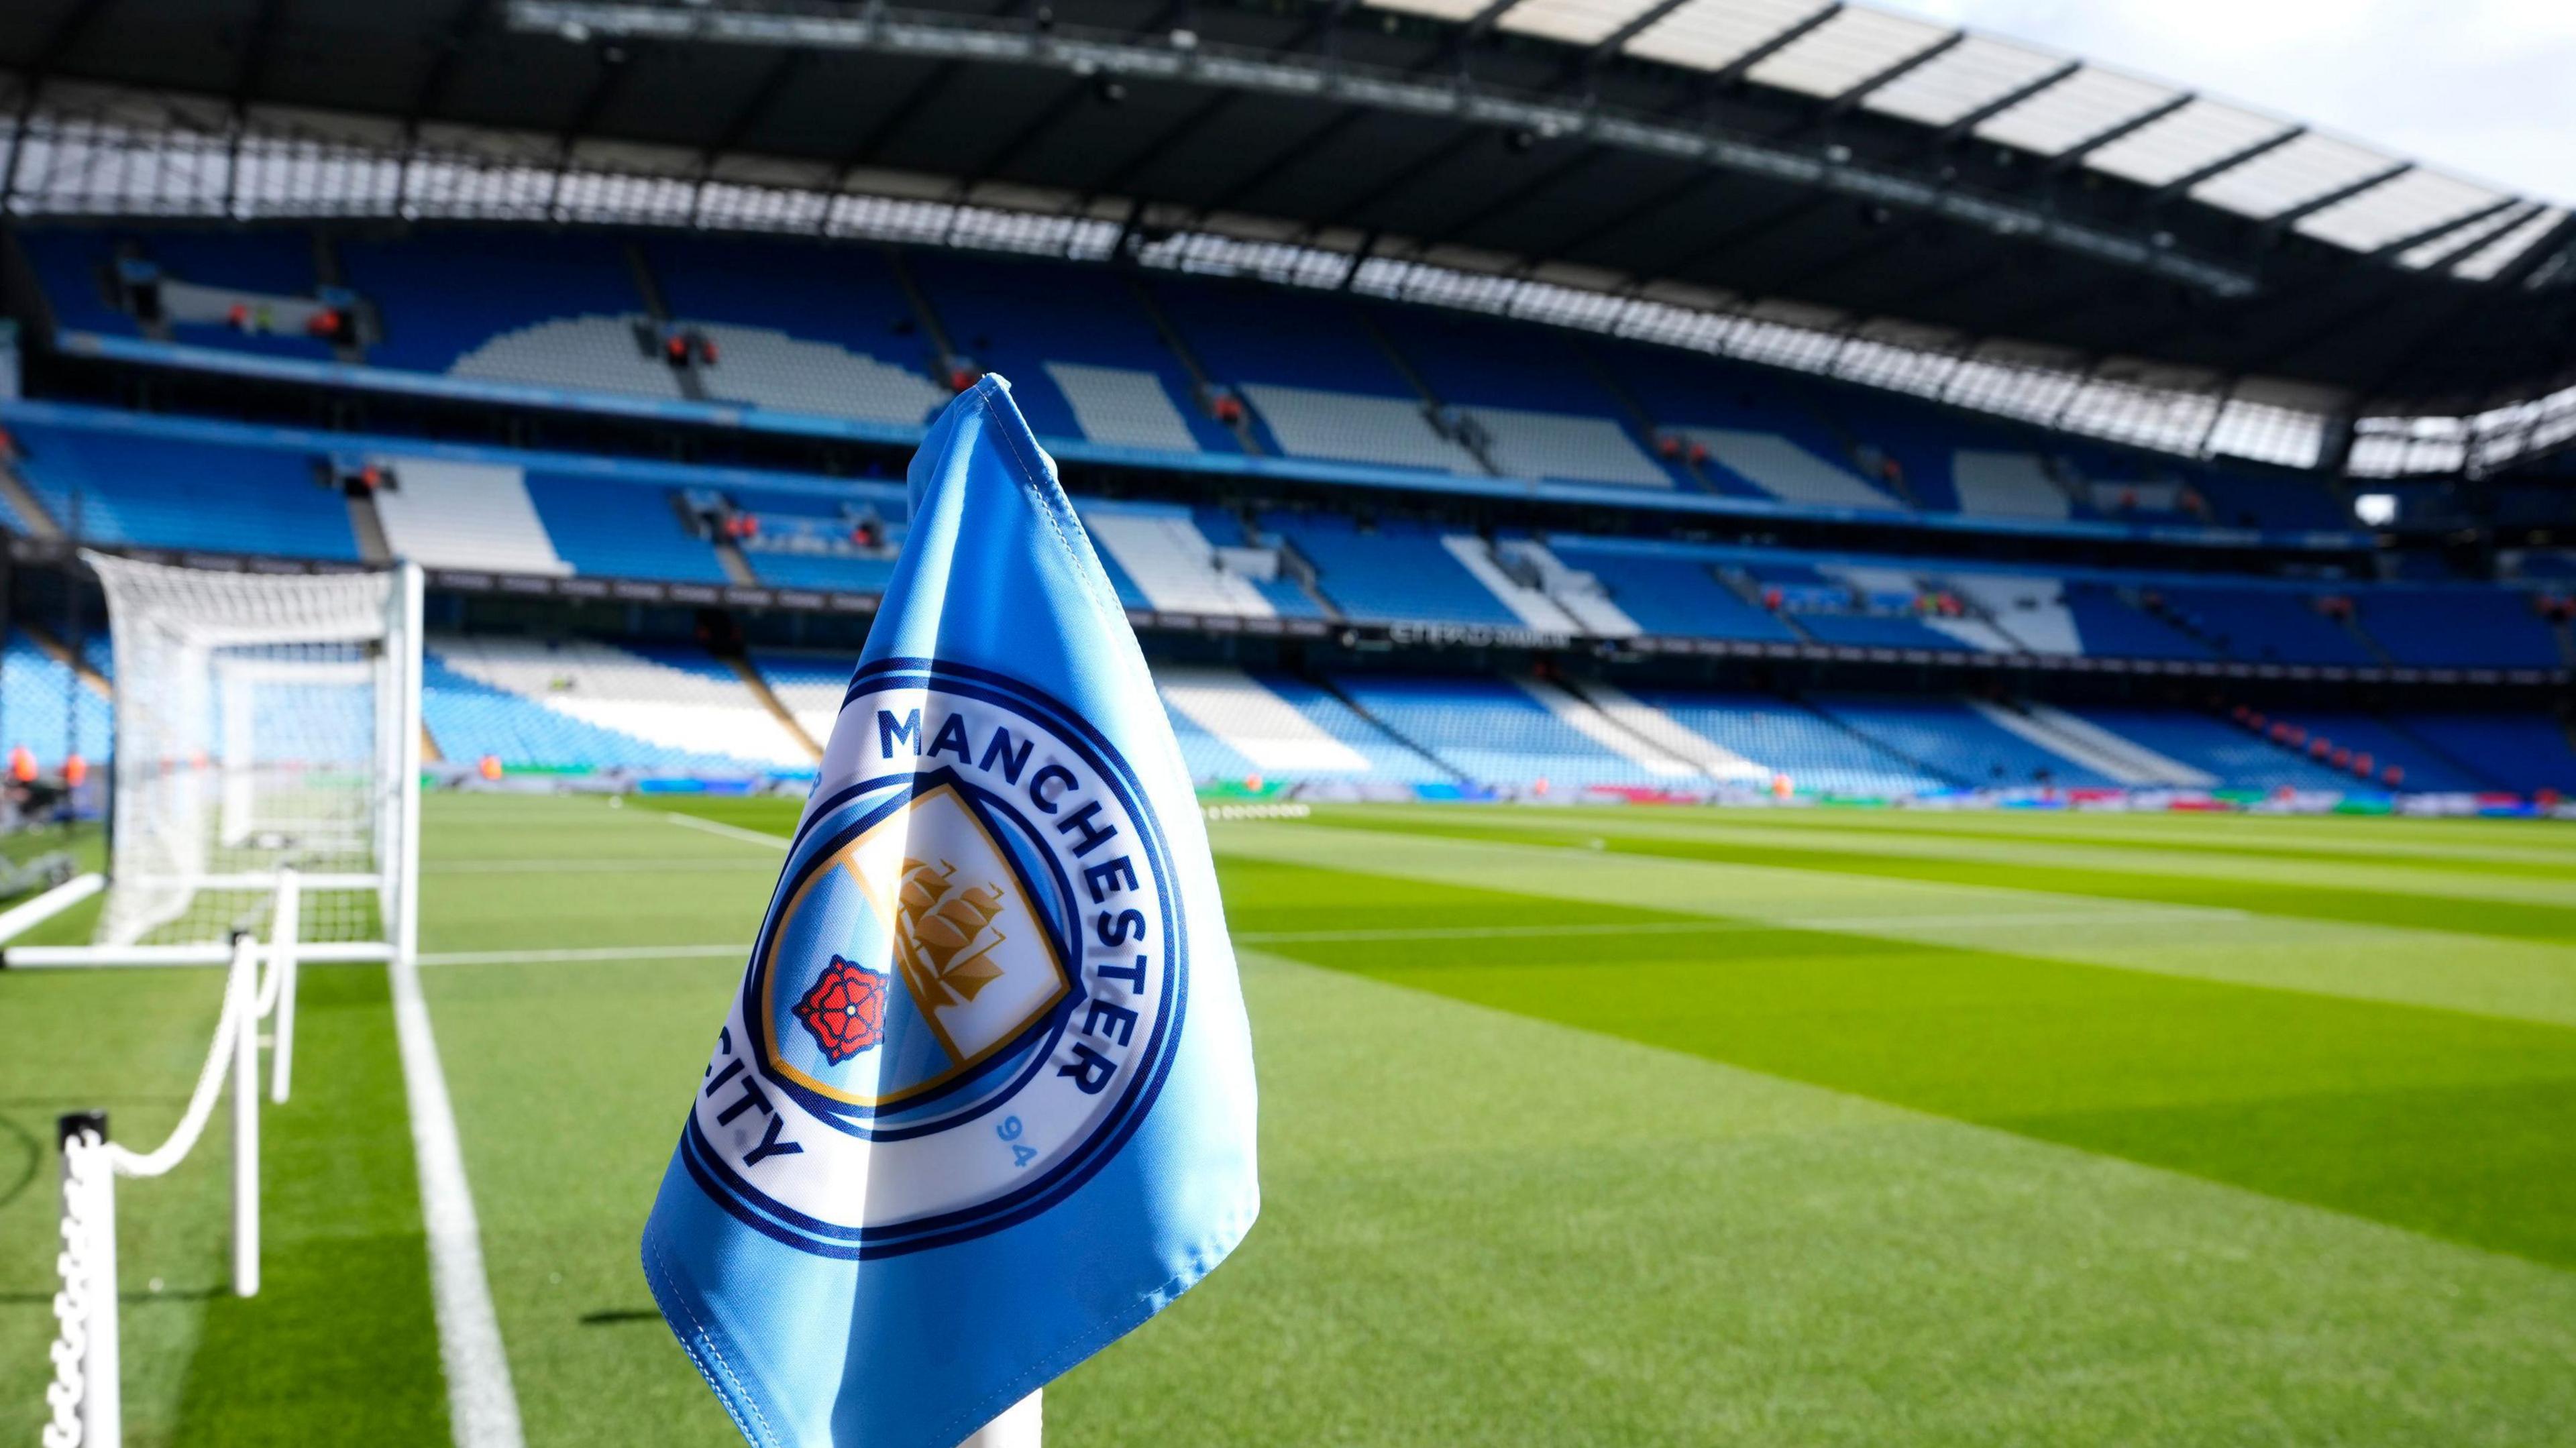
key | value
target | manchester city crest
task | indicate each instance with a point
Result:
(972, 963)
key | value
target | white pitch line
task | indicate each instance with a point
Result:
(1847, 924)
(607, 866)
(482, 1407)
(589, 952)
(731, 832)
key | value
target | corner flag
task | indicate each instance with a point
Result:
(983, 1101)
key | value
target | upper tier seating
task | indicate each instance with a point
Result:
(1543, 413)
(443, 293)
(1167, 559)
(445, 514)
(593, 354)
(1397, 571)
(1021, 318)
(1672, 594)
(164, 492)
(612, 529)
(268, 270)
(2264, 625)
(799, 326)
(2111, 627)
(1491, 732)
(2457, 628)
(2006, 485)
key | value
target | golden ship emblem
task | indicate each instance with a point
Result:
(944, 934)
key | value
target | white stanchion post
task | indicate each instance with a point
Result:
(282, 939)
(245, 1044)
(1018, 1427)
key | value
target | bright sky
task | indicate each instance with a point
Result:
(2485, 89)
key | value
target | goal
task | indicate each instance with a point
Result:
(264, 723)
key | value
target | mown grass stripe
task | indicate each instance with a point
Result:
(2253, 893)
(339, 1346)
(2276, 1091)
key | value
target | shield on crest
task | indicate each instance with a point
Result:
(913, 955)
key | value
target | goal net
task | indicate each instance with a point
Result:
(263, 722)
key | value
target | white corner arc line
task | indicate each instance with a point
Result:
(482, 1407)
(731, 832)
(590, 953)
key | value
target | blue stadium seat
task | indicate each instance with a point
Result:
(615, 529)
(1949, 737)
(2458, 628)
(443, 292)
(2237, 757)
(2521, 752)
(1398, 571)
(1818, 755)
(1489, 731)
(164, 492)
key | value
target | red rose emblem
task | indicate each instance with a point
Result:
(845, 1010)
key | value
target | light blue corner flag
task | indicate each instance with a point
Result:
(983, 1101)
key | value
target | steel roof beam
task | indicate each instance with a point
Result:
(1854, 94)
(1734, 70)
(461, 25)
(1629, 29)
(2181, 185)
(1958, 130)
(2069, 158)
(1047, 118)
(2414, 239)
(756, 106)
(2279, 222)
(2471, 246)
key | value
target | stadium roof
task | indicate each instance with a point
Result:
(1897, 189)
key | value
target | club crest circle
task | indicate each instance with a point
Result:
(969, 984)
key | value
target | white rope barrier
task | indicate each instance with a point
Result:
(241, 993)
(83, 1400)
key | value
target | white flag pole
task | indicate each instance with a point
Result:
(1016, 1428)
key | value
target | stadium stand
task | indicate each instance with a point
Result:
(2236, 757)
(2529, 751)
(1950, 738)
(1816, 753)
(443, 514)
(116, 487)
(614, 529)
(1493, 732)
(2458, 627)
(655, 708)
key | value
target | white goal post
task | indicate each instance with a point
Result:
(264, 723)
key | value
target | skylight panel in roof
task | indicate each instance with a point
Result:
(1577, 22)
(2399, 209)
(1973, 73)
(2189, 139)
(2083, 106)
(2484, 263)
(1846, 50)
(1440, 9)
(1706, 34)
(2281, 178)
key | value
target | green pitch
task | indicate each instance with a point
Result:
(1579, 1126)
